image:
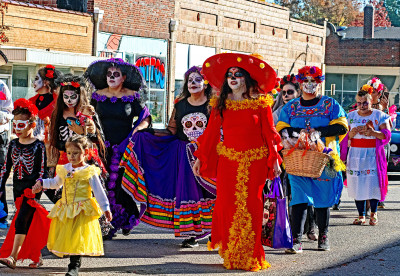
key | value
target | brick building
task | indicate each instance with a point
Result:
(43, 35)
(250, 26)
(164, 38)
(356, 54)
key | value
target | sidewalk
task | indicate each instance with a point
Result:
(355, 250)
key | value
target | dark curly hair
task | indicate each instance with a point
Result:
(252, 88)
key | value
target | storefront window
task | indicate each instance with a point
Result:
(20, 82)
(347, 85)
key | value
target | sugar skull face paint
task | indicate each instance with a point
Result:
(310, 86)
(37, 83)
(114, 77)
(20, 125)
(235, 78)
(70, 98)
(195, 83)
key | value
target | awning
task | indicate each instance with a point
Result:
(38, 56)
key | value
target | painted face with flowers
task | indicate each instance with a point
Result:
(310, 86)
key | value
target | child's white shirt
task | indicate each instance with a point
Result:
(94, 181)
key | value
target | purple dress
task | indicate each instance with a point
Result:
(158, 174)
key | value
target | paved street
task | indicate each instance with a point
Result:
(355, 250)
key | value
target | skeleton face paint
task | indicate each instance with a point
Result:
(194, 125)
(235, 78)
(195, 83)
(70, 98)
(310, 86)
(38, 82)
(114, 77)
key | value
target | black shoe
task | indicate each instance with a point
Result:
(381, 205)
(296, 249)
(323, 243)
(126, 232)
(74, 265)
(190, 243)
(336, 207)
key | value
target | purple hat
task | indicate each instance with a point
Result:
(97, 71)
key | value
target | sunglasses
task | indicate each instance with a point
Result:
(115, 74)
(287, 92)
(237, 75)
(362, 104)
(20, 124)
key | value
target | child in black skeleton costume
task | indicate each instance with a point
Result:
(27, 156)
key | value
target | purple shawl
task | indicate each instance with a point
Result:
(381, 163)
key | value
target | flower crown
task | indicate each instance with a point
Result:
(49, 71)
(313, 71)
(367, 88)
(72, 83)
(26, 104)
(288, 79)
(376, 84)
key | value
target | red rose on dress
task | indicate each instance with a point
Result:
(309, 112)
(41, 98)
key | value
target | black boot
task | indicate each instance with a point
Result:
(74, 265)
(322, 216)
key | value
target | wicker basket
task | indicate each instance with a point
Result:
(310, 165)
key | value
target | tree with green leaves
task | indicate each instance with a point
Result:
(393, 9)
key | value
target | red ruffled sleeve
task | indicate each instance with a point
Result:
(271, 139)
(207, 146)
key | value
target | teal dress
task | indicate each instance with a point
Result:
(324, 191)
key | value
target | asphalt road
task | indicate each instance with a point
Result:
(355, 250)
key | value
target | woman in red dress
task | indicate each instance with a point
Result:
(242, 158)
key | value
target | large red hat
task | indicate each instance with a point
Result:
(215, 67)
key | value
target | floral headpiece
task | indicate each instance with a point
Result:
(367, 88)
(72, 83)
(49, 71)
(288, 79)
(26, 104)
(376, 84)
(313, 71)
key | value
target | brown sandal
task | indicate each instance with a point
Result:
(10, 262)
(373, 220)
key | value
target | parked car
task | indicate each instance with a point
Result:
(394, 147)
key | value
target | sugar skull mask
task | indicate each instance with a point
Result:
(194, 125)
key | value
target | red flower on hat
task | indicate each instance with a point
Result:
(50, 67)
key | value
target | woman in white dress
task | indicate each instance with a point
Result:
(369, 131)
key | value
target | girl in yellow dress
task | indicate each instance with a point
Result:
(75, 229)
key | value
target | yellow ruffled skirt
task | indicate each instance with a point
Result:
(75, 229)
